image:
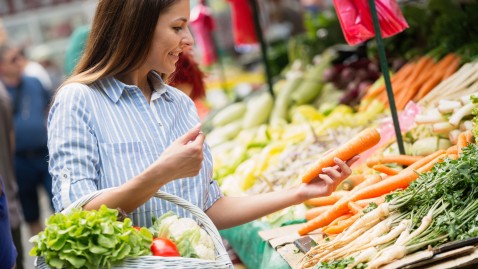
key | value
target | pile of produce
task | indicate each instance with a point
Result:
(354, 77)
(440, 206)
(104, 237)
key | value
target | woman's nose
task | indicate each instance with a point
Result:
(188, 39)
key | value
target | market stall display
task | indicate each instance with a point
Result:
(396, 209)
(432, 84)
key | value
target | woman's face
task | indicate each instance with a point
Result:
(171, 37)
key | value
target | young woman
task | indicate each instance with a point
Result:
(114, 123)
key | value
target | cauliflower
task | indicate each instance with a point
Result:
(181, 226)
(191, 240)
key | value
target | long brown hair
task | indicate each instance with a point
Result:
(120, 38)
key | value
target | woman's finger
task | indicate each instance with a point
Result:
(343, 166)
(350, 161)
(326, 178)
(332, 172)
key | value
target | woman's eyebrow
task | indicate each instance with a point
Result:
(182, 19)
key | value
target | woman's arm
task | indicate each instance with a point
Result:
(232, 211)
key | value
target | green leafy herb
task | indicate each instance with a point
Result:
(370, 207)
(89, 239)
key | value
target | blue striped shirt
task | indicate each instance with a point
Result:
(102, 135)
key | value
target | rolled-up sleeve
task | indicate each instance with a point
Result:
(73, 147)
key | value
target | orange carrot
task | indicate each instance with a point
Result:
(336, 210)
(369, 180)
(451, 69)
(427, 167)
(426, 159)
(448, 64)
(453, 156)
(341, 226)
(421, 72)
(461, 142)
(352, 181)
(428, 86)
(326, 200)
(464, 139)
(354, 208)
(337, 220)
(398, 159)
(469, 136)
(361, 142)
(340, 218)
(365, 202)
(399, 181)
(397, 78)
(314, 212)
(385, 169)
(452, 150)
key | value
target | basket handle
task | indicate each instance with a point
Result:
(202, 218)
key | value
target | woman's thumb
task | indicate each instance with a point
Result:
(191, 134)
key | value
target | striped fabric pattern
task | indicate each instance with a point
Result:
(102, 135)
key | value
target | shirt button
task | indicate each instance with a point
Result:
(65, 175)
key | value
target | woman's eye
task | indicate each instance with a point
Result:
(177, 29)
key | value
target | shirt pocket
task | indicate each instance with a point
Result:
(122, 161)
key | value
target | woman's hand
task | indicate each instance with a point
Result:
(328, 181)
(183, 158)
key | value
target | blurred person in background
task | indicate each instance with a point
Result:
(46, 58)
(10, 188)
(7, 149)
(29, 102)
(8, 253)
(75, 48)
(34, 69)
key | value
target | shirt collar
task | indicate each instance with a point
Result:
(114, 88)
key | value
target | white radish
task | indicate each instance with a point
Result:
(394, 233)
(442, 127)
(466, 125)
(401, 239)
(378, 213)
(447, 106)
(467, 98)
(387, 256)
(363, 256)
(432, 116)
(426, 221)
(460, 113)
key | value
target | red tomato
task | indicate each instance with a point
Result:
(164, 247)
(137, 228)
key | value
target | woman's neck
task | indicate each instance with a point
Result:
(140, 79)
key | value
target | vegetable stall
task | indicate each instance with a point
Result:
(413, 204)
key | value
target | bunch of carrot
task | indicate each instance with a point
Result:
(373, 187)
(415, 80)
(338, 211)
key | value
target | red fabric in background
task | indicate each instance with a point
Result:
(356, 20)
(202, 25)
(242, 22)
(188, 72)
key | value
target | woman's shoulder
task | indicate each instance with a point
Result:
(73, 90)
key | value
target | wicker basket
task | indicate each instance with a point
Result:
(222, 258)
